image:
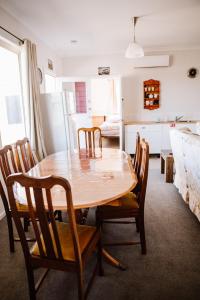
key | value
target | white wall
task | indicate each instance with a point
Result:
(43, 51)
(180, 95)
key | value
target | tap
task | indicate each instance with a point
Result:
(178, 118)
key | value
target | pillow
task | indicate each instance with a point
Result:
(113, 118)
(198, 128)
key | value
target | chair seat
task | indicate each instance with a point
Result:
(22, 207)
(85, 234)
(127, 201)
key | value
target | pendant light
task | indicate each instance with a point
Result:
(134, 50)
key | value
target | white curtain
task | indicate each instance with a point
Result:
(31, 96)
(104, 97)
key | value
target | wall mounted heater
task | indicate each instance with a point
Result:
(151, 61)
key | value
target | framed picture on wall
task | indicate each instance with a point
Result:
(50, 64)
(103, 70)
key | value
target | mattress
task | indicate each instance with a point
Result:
(110, 129)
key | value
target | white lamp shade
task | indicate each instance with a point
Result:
(134, 51)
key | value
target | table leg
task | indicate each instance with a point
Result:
(113, 261)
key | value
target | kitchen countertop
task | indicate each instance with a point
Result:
(161, 122)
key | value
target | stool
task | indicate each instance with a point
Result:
(167, 163)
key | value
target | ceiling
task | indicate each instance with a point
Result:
(103, 27)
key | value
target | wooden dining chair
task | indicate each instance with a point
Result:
(93, 140)
(137, 164)
(137, 157)
(7, 167)
(26, 161)
(131, 205)
(59, 246)
(24, 155)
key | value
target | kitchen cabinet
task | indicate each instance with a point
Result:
(156, 134)
(151, 133)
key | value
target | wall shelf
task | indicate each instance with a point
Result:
(151, 94)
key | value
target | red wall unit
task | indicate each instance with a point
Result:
(151, 94)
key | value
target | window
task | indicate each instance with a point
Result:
(50, 83)
(11, 109)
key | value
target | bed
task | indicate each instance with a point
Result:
(111, 126)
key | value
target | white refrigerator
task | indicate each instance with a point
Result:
(55, 122)
(60, 122)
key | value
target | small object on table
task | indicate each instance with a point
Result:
(167, 163)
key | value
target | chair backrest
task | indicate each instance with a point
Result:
(7, 167)
(24, 155)
(143, 174)
(7, 161)
(38, 194)
(92, 135)
(137, 157)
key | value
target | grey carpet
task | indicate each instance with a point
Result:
(170, 270)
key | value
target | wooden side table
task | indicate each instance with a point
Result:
(167, 164)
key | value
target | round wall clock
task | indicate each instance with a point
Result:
(192, 73)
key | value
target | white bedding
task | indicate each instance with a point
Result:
(110, 129)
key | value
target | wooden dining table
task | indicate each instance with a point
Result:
(94, 181)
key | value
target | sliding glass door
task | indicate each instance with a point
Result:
(11, 108)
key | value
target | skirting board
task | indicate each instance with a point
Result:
(2, 214)
(151, 61)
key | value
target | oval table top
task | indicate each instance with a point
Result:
(94, 181)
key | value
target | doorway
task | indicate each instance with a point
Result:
(106, 109)
(77, 107)
(93, 102)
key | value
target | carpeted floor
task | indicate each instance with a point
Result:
(170, 270)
